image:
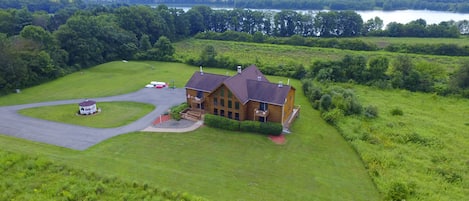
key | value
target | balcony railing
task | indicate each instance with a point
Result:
(261, 113)
(198, 100)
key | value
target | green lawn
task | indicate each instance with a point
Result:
(316, 163)
(104, 80)
(113, 114)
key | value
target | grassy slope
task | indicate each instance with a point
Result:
(33, 178)
(426, 147)
(113, 114)
(315, 164)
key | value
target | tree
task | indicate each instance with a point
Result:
(377, 68)
(460, 78)
(144, 43)
(165, 48)
(22, 18)
(40, 36)
(207, 57)
(7, 23)
(196, 22)
(372, 25)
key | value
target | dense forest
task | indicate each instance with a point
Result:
(447, 5)
(38, 46)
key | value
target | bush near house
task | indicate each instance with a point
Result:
(266, 128)
(176, 110)
(221, 122)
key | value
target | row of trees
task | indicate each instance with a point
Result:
(447, 5)
(37, 46)
(399, 73)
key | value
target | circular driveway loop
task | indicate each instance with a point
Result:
(80, 137)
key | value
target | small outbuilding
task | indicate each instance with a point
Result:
(87, 107)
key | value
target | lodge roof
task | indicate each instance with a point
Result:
(205, 81)
(250, 84)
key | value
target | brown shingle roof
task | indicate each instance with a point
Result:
(267, 92)
(238, 83)
(205, 82)
(250, 84)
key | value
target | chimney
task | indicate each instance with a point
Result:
(280, 84)
(201, 71)
(259, 78)
(239, 69)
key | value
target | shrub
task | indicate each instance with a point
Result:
(325, 102)
(333, 115)
(399, 191)
(266, 128)
(176, 110)
(397, 111)
(371, 111)
(271, 128)
(249, 126)
(221, 122)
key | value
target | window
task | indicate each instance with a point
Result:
(237, 105)
(230, 115)
(236, 116)
(263, 106)
(200, 94)
(222, 92)
(215, 101)
(222, 113)
(215, 111)
(230, 94)
(222, 102)
(230, 104)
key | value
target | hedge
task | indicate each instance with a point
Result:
(267, 128)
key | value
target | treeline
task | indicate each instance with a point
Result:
(38, 46)
(399, 73)
(48, 6)
(447, 5)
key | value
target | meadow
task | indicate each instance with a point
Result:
(385, 41)
(269, 55)
(113, 114)
(423, 148)
(316, 163)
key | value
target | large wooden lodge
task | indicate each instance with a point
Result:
(248, 95)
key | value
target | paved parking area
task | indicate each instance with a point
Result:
(79, 137)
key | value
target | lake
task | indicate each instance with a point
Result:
(400, 16)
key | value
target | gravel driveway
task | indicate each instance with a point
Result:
(80, 137)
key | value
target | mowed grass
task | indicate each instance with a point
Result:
(315, 163)
(104, 80)
(113, 114)
(425, 149)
